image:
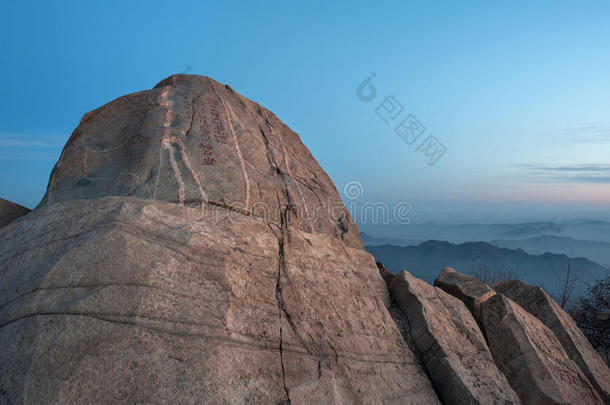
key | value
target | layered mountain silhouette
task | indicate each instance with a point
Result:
(582, 229)
(544, 269)
(594, 250)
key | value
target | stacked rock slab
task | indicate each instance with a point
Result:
(524, 349)
(468, 289)
(450, 344)
(189, 249)
(531, 357)
(538, 303)
(10, 211)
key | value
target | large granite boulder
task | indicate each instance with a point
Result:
(10, 211)
(538, 303)
(531, 357)
(192, 141)
(450, 344)
(189, 249)
(468, 289)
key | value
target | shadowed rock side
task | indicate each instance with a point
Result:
(538, 303)
(10, 211)
(129, 284)
(385, 274)
(531, 357)
(451, 345)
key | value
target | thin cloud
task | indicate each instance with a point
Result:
(575, 168)
(31, 140)
(583, 173)
(25, 144)
(589, 179)
(594, 133)
(30, 146)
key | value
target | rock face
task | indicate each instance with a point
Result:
(10, 211)
(468, 289)
(451, 345)
(385, 274)
(189, 249)
(531, 357)
(538, 303)
(193, 141)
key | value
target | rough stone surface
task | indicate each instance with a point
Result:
(468, 289)
(191, 140)
(450, 344)
(531, 357)
(10, 211)
(542, 306)
(149, 274)
(385, 274)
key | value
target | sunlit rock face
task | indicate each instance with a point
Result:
(189, 249)
(531, 357)
(191, 140)
(451, 345)
(542, 306)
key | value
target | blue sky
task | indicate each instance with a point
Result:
(518, 94)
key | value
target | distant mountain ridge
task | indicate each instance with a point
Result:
(594, 250)
(426, 259)
(582, 229)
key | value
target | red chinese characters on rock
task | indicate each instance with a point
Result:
(206, 152)
(212, 130)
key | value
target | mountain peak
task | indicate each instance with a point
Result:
(195, 142)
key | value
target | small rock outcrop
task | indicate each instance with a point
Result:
(10, 211)
(189, 249)
(538, 303)
(450, 344)
(531, 357)
(468, 289)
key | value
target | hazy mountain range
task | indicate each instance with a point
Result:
(582, 229)
(584, 238)
(597, 251)
(427, 259)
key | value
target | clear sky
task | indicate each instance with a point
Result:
(517, 93)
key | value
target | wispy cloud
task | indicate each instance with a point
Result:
(24, 143)
(593, 133)
(582, 173)
(30, 146)
(588, 179)
(574, 168)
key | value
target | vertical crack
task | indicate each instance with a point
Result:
(403, 323)
(280, 300)
(188, 131)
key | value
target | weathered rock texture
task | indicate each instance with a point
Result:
(542, 306)
(191, 140)
(531, 357)
(385, 274)
(189, 249)
(10, 211)
(450, 344)
(468, 289)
